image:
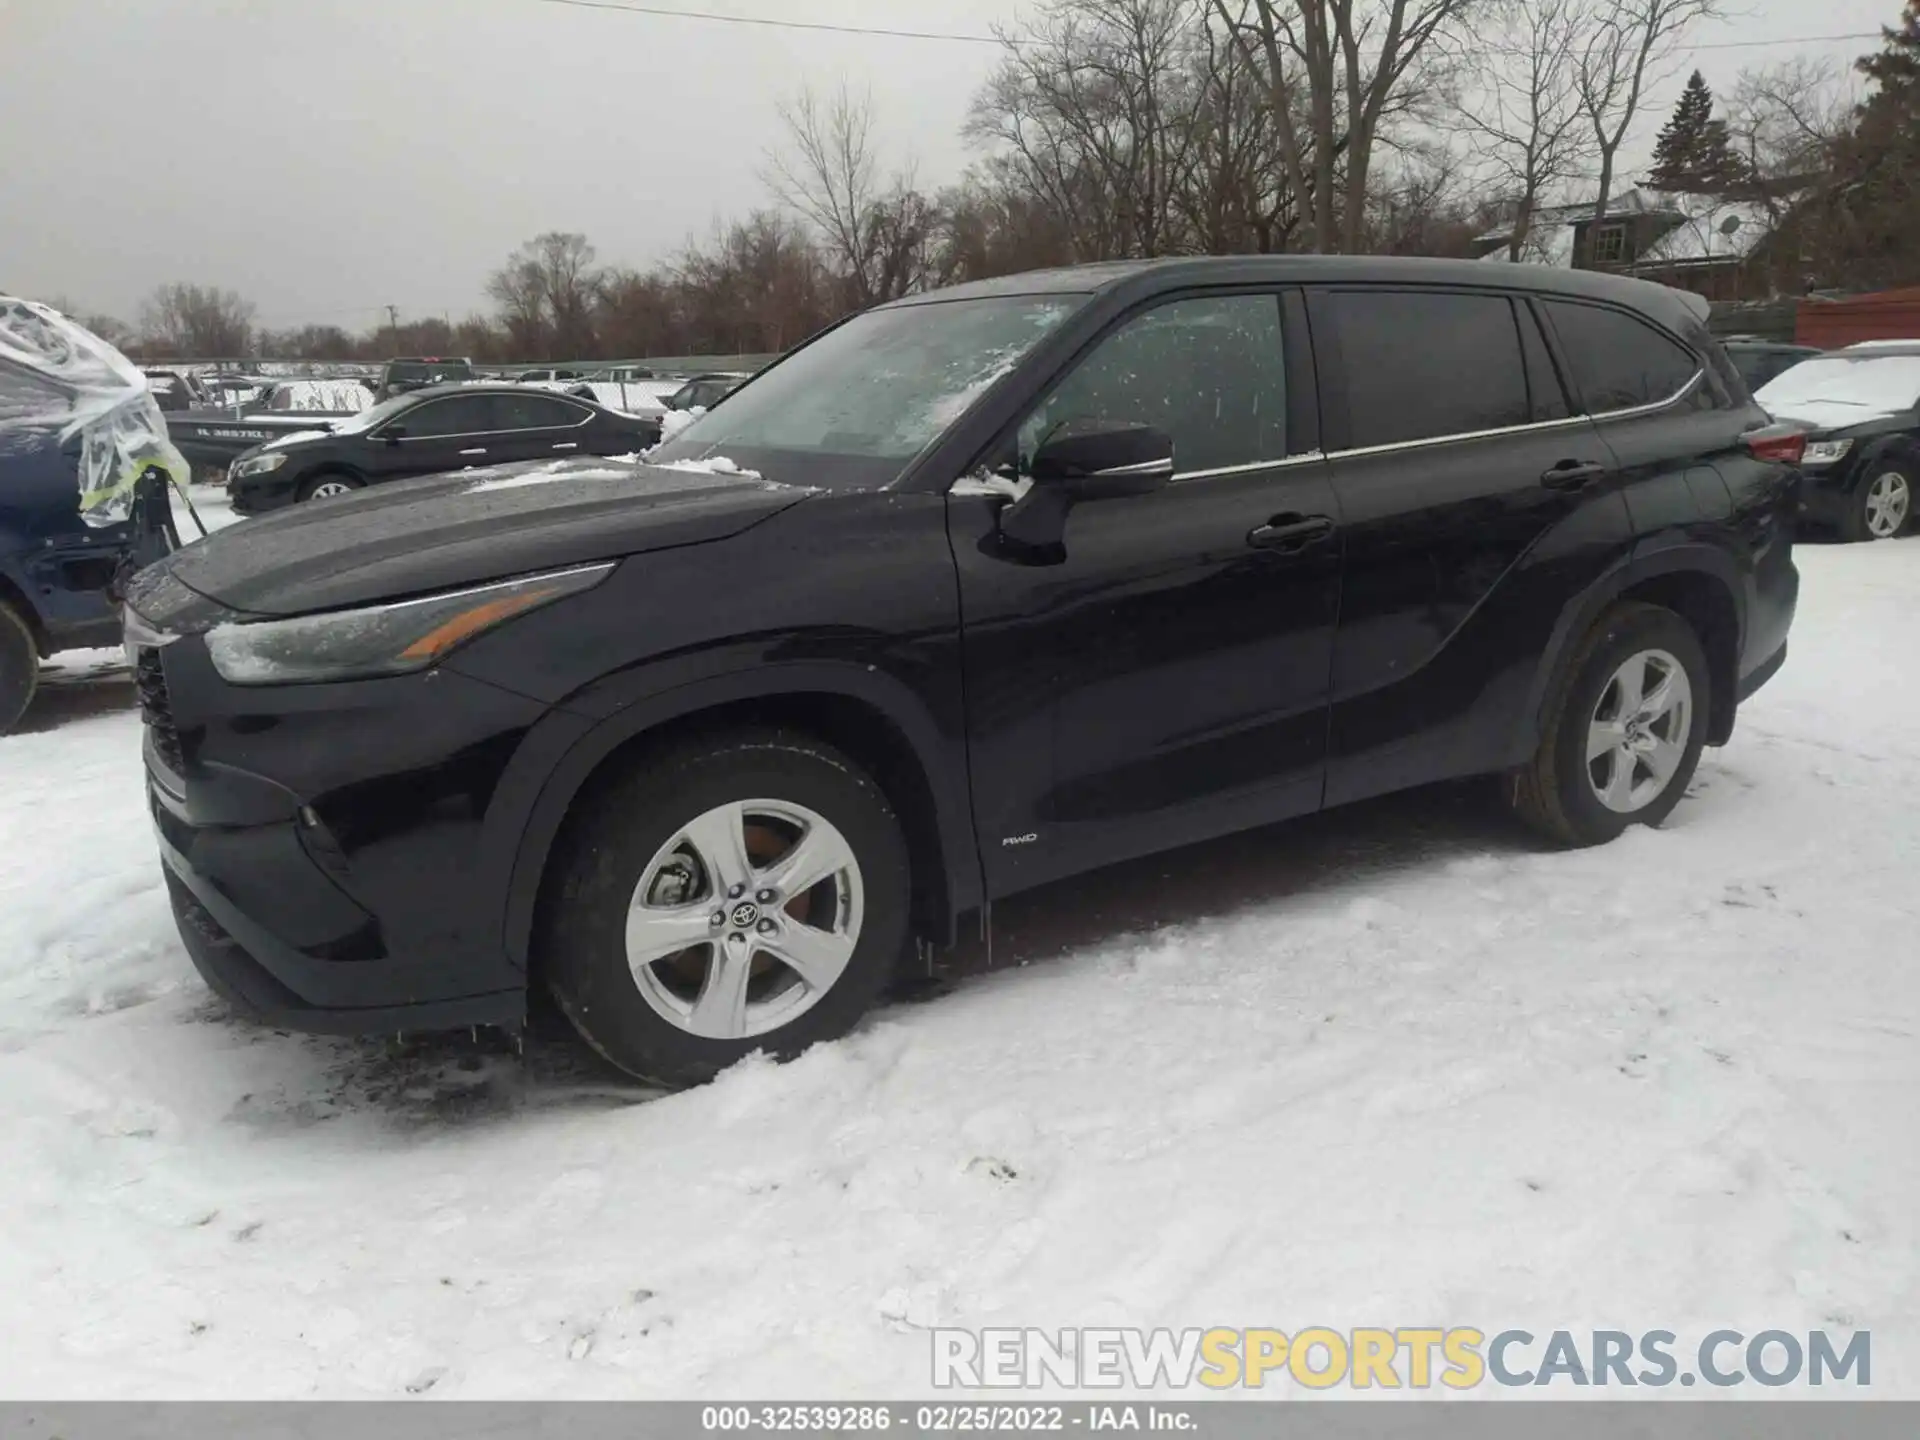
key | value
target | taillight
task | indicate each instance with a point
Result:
(1779, 443)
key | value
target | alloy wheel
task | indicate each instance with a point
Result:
(1888, 503)
(327, 489)
(744, 920)
(1639, 731)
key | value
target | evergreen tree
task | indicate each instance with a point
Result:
(1869, 233)
(1693, 152)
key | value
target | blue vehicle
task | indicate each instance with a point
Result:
(77, 430)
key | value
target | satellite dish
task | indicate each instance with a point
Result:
(1729, 225)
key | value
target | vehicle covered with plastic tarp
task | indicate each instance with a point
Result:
(80, 437)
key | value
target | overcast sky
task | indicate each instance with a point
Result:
(328, 157)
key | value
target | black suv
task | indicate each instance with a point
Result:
(974, 591)
(425, 432)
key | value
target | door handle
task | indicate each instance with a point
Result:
(1572, 474)
(570, 445)
(480, 451)
(1290, 534)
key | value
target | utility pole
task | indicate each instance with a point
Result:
(393, 324)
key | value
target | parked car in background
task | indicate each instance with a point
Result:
(76, 421)
(972, 592)
(175, 391)
(211, 439)
(703, 392)
(323, 397)
(418, 372)
(547, 377)
(1759, 361)
(1861, 407)
(446, 427)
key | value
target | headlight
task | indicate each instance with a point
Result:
(1825, 452)
(258, 464)
(391, 639)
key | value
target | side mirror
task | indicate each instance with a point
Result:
(1084, 460)
(394, 434)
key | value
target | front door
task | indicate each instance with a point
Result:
(452, 432)
(1164, 676)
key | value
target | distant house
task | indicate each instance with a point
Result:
(1711, 244)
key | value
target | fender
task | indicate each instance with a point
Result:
(1650, 558)
(563, 749)
(1878, 449)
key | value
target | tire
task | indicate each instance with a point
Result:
(310, 489)
(630, 841)
(1883, 502)
(1560, 791)
(19, 667)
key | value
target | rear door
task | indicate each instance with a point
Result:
(1163, 677)
(1474, 500)
(539, 427)
(453, 432)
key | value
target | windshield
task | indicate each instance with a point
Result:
(1871, 382)
(862, 400)
(375, 415)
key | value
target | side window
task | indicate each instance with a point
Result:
(1210, 372)
(1618, 362)
(458, 415)
(1547, 397)
(1425, 365)
(534, 412)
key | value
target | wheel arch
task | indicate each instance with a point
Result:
(872, 718)
(13, 595)
(1698, 581)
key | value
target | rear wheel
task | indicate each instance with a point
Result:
(742, 894)
(1881, 504)
(329, 486)
(1624, 733)
(19, 667)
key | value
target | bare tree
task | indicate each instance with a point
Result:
(1349, 66)
(1520, 105)
(546, 293)
(1627, 43)
(1094, 109)
(198, 321)
(1783, 121)
(877, 232)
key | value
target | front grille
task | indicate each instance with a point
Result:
(156, 709)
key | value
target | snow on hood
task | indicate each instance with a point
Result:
(714, 465)
(1824, 414)
(1862, 387)
(554, 471)
(91, 390)
(294, 437)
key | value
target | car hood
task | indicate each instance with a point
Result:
(1834, 416)
(441, 531)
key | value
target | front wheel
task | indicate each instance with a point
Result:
(736, 895)
(19, 667)
(329, 487)
(1881, 504)
(1624, 733)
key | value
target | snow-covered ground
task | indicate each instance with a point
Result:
(1391, 1066)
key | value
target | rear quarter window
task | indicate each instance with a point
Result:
(1619, 362)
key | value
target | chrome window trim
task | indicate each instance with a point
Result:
(1535, 427)
(1312, 457)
